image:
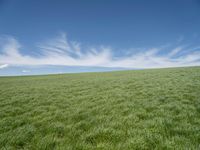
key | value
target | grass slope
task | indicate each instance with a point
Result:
(146, 109)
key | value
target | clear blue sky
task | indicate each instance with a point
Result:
(97, 33)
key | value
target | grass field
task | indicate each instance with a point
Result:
(144, 109)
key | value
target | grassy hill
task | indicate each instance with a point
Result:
(145, 109)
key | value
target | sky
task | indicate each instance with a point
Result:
(64, 36)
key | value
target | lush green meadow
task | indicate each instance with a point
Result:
(143, 109)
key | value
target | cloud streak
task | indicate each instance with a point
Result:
(61, 51)
(26, 71)
(3, 66)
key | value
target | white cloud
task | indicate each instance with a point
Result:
(60, 51)
(26, 71)
(175, 51)
(3, 66)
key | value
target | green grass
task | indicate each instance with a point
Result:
(144, 109)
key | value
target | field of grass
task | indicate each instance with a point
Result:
(144, 109)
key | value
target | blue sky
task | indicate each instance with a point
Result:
(58, 36)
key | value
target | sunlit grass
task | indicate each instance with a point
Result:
(146, 109)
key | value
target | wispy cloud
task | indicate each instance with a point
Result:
(175, 51)
(61, 51)
(26, 71)
(3, 66)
